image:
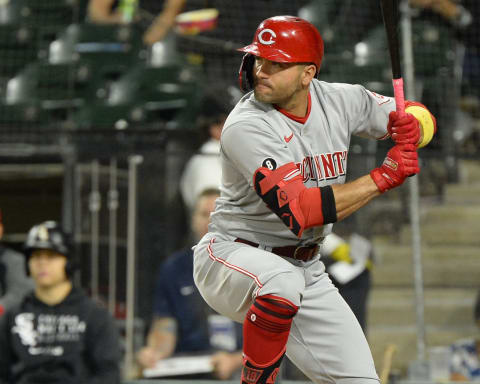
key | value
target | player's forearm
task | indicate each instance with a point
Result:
(351, 196)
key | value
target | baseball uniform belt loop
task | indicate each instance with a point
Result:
(304, 253)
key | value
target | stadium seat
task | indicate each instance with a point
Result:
(101, 116)
(16, 41)
(111, 49)
(161, 95)
(59, 90)
(44, 12)
(27, 115)
(319, 12)
(167, 90)
(433, 47)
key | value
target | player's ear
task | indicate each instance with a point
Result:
(308, 73)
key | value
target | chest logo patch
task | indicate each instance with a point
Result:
(269, 39)
(288, 138)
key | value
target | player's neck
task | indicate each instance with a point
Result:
(297, 105)
(297, 111)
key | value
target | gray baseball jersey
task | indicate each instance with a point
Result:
(325, 341)
(256, 134)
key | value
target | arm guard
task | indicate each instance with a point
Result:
(298, 207)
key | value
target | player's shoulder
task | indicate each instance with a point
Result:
(333, 89)
(248, 111)
(249, 117)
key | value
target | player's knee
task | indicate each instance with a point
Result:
(287, 285)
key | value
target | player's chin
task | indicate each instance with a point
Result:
(263, 94)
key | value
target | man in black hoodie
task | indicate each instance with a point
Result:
(56, 334)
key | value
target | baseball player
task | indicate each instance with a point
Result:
(284, 151)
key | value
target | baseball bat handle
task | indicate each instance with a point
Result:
(399, 95)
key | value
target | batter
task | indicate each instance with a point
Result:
(284, 151)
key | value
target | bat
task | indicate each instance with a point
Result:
(390, 20)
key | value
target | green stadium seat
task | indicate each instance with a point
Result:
(59, 90)
(106, 117)
(165, 91)
(145, 95)
(368, 64)
(10, 12)
(112, 49)
(27, 115)
(319, 12)
(44, 12)
(433, 47)
(16, 46)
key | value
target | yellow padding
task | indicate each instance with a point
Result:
(426, 122)
(342, 253)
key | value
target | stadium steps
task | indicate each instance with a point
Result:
(450, 234)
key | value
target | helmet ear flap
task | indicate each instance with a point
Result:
(245, 80)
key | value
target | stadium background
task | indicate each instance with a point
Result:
(95, 129)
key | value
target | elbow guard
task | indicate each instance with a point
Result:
(298, 207)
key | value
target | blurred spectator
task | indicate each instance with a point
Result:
(464, 17)
(203, 169)
(450, 10)
(56, 334)
(465, 358)
(125, 11)
(348, 264)
(183, 323)
(14, 283)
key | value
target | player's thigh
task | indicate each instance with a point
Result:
(230, 275)
(326, 341)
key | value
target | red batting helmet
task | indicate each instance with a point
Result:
(284, 39)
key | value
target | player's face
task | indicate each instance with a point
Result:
(47, 268)
(277, 83)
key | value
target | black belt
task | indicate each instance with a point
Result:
(305, 253)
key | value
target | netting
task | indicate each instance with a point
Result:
(99, 91)
(60, 72)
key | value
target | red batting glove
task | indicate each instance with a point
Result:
(401, 162)
(403, 130)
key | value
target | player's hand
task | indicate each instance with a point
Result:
(224, 364)
(401, 162)
(404, 129)
(147, 357)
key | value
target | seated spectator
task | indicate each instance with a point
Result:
(114, 12)
(465, 358)
(56, 334)
(14, 283)
(183, 322)
(203, 170)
